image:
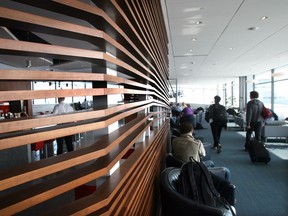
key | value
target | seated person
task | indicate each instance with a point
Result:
(186, 145)
(187, 110)
(231, 111)
(188, 115)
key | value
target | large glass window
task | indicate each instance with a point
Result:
(198, 95)
(263, 87)
(235, 93)
(39, 85)
(280, 92)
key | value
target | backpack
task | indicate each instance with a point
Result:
(207, 116)
(195, 182)
(219, 114)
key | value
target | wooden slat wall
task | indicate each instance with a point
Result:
(133, 32)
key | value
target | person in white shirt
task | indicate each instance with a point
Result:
(59, 109)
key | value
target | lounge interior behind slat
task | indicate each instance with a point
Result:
(118, 49)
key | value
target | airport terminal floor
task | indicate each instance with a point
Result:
(261, 189)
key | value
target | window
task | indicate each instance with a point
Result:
(263, 87)
(280, 94)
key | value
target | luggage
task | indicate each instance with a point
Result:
(258, 152)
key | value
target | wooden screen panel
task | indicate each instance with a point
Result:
(124, 36)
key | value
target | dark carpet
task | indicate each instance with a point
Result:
(261, 189)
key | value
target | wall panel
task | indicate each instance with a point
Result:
(81, 41)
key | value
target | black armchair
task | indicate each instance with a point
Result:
(222, 172)
(174, 203)
(172, 161)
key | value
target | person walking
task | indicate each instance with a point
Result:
(254, 118)
(218, 120)
(59, 109)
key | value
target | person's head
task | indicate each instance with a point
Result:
(254, 94)
(60, 99)
(186, 127)
(217, 99)
(188, 105)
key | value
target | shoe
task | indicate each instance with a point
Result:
(219, 146)
(218, 149)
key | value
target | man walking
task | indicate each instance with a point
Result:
(254, 118)
(218, 120)
(59, 109)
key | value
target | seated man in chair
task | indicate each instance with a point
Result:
(185, 146)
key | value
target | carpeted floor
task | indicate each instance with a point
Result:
(261, 189)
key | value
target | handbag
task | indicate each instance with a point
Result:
(266, 113)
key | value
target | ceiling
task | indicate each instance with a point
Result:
(231, 39)
(224, 47)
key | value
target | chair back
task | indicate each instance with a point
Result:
(174, 203)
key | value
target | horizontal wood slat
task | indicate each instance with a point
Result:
(119, 50)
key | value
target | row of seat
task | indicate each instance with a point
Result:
(174, 203)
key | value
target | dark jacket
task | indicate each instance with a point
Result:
(254, 111)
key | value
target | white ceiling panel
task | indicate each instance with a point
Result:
(225, 47)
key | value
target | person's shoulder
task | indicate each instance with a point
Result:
(68, 107)
(249, 102)
(211, 106)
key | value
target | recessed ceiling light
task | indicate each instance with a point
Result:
(264, 17)
(231, 48)
(194, 39)
(191, 50)
(198, 22)
(253, 28)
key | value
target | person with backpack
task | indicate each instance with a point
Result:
(218, 119)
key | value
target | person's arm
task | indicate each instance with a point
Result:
(201, 150)
(248, 115)
(55, 110)
(211, 113)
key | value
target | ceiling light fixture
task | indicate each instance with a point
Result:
(198, 22)
(194, 39)
(253, 28)
(264, 17)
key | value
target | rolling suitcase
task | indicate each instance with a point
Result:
(258, 152)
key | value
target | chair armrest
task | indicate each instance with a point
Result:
(225, 188)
